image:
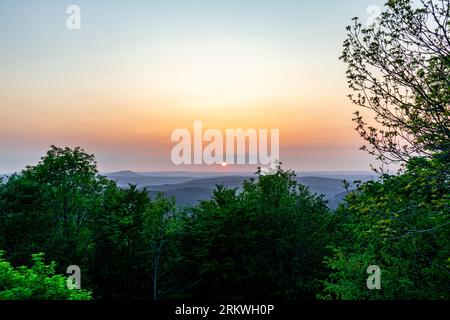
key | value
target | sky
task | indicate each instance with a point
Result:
(138, 70)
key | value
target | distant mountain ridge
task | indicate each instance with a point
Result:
(191, 187)
(125, 174)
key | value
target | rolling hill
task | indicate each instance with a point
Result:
(190, 188)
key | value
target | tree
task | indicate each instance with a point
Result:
(400, 223)
(36, 283)
(63, 207)
(267, 241)
(47, 207)
(71, 179)
(26, 224)
(399, 69)
(120, 267)
(160, 220)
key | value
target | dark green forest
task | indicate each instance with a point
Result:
(274, 239)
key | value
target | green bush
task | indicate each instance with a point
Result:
(36, 283)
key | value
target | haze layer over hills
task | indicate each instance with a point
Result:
(191, 187)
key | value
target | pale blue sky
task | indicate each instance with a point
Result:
(45, 68)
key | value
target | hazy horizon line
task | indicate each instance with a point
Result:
(217, 171)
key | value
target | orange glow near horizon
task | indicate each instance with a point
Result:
(119, 88)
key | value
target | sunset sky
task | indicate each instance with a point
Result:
(137, 70)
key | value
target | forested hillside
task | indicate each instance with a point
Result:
(273, 238)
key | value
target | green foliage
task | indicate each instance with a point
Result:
(399, 69)
(272, 238)
(26, 225)
(161, 221)
(400, 223)
(47, 207)
(64, 208)
(267, 241)
(129, 236)
(36, 283)
(119, 263)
